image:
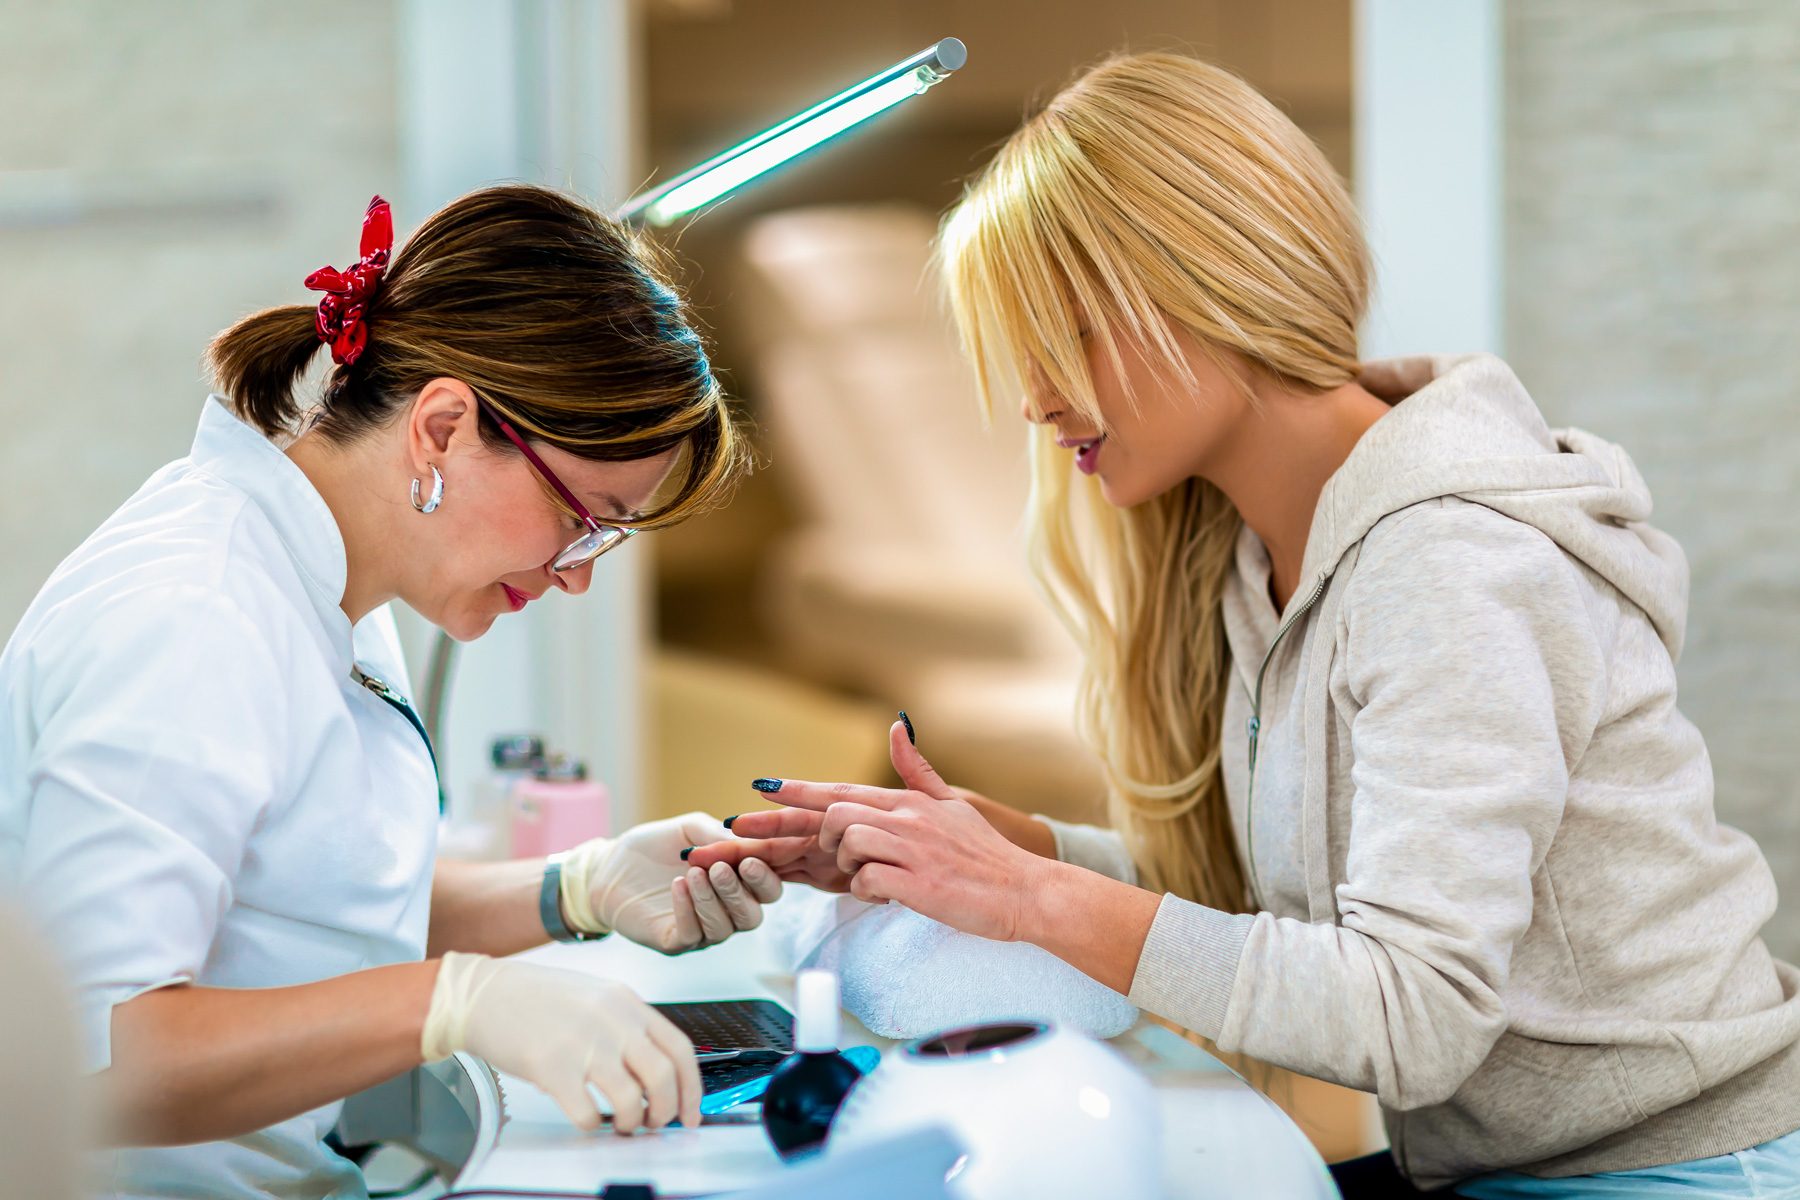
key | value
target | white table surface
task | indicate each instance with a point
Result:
(1221, 1138)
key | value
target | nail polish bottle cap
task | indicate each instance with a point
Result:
(817, 1029)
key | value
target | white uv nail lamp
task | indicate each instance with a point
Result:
(1042, 1110)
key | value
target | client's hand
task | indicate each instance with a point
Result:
(925, 846)
(787, 839)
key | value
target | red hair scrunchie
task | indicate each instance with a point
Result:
(347, 292)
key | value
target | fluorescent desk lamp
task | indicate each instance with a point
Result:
(725, 173)
(747, 160)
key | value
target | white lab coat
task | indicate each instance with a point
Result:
(193, 786)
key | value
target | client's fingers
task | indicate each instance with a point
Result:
(865, 844)
(799, 793)
(776, 852)
(776, 822)
(914, 771)
(842, 816)
(878, 883)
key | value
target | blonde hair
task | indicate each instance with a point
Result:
(1156, 193)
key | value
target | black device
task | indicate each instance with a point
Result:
(757, 1034)
(803, 1096)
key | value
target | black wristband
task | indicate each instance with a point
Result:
(550, 908)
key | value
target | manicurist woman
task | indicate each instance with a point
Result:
(1382, 672)
(211, 789)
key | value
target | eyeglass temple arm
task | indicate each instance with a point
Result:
(549, 476)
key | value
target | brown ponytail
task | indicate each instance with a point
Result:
(258, 361)
(561, 319)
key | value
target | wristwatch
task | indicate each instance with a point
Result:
(550, 906)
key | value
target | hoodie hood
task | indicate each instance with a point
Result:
(1464, 426)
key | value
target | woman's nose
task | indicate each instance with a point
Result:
(575, 581)
(1039, 403)
(1033, 410)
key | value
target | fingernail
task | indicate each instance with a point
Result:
(686, 852)
(766, 785)
(729, 820)
(907, 721)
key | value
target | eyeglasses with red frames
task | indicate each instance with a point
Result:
(599, 537)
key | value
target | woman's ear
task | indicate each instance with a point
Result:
(443, 425)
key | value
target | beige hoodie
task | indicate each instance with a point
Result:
(1512, 914)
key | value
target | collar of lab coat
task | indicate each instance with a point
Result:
(228, 449)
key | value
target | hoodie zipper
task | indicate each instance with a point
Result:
(1253, 727)
(400, 704)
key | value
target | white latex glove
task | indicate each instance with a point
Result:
(562, 1030)
(637, 884)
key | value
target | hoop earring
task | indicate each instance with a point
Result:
(430, 504)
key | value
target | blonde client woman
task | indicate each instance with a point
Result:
(1381, 668)
(216, 798)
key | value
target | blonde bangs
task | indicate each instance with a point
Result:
(1027, 262)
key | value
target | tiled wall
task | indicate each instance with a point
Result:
(1653, 295)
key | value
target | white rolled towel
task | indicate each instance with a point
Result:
(904, 976)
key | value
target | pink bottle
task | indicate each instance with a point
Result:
(556, 808)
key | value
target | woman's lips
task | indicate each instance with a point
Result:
(1087, 458)
(515, 597)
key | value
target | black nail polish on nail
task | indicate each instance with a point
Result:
(766, 785)
(686, 852)
(729, 820)
(907, 721)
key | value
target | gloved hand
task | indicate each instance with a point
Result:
(562, 1030)
(638, 885)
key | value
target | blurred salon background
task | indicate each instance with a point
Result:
(1606, 193)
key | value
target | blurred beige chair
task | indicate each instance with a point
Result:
(906, 580)
(718, 724)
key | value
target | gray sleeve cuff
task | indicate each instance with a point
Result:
(1189, 964)
(1093, 848)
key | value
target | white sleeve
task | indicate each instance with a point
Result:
(161, 740)
(1099, 850)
